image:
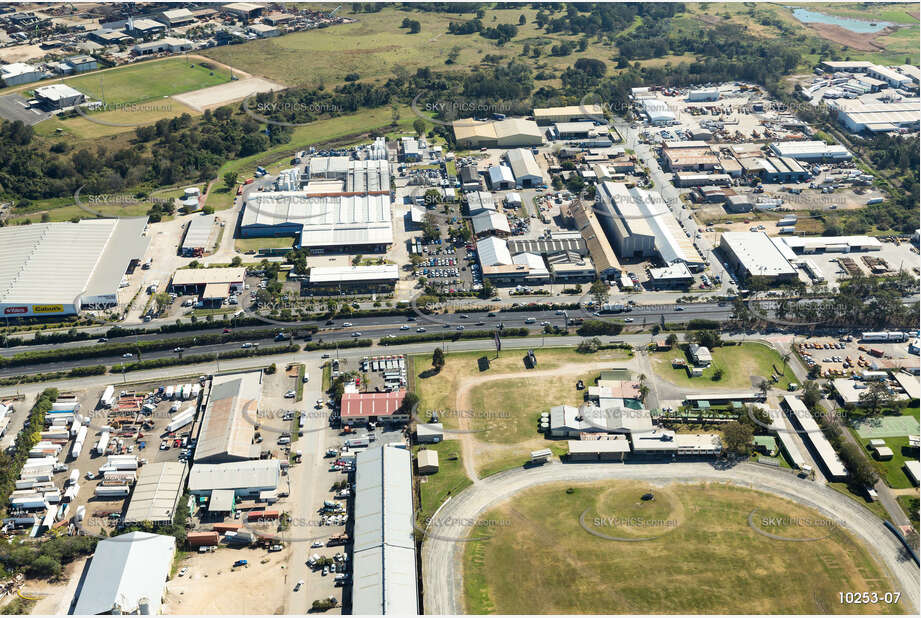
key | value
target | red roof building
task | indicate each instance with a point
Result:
(359, 408)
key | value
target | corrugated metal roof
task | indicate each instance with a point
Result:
(523, 164)
(60, 262)
(488, 221)
(199, 232)
(376, 272)
(156, 492)
(124, 570)
(204, 276)
(262, 473)
(229, 426)
(493, 251)
(384, 561)
(371, 404)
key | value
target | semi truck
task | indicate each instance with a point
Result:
(611, 308)
(359, 442)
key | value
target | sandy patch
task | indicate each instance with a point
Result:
(226, 93)
(854, 40)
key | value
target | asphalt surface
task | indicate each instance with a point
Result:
(441, 555)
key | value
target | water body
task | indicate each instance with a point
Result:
(854, 25)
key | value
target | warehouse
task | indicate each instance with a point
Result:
(58, 97)
(857, 116)
(690, 159)
(704, 94)
(913, 72)
(229, 423)
(19, 73)
(755, 254)
(378, 278)
(674, 276)
(176, 17)
(607, 266)
(890, 76)
(490, 223)
(569, 113)
(156, 493)
(322, 223)
(246, 10)
(700, 180)
(782, 169)
(501, 178)
(508, 133)
(362, 408)
(814, 435)
(561, 241)
(614, 449)
(811, 151)
(831, 244)
(571, 266)
(248, 480)
(642, 225)
(480, 201)
(198, 236)
(573, 130)
(524, 167)
(470, 178)
(127, 575)
(657, 111)
(384, 580)
(198, 280)
(845, 66)
(60, 268)
(368, 176)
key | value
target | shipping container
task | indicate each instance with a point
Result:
(181, 420)
(117, 491)
(108, 397)
(103, 443)
(254, 515)
(197, 539)
(227, 527)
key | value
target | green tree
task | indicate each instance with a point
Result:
(438, 359)
(875, 397)
(419, 126)
(738, 437)
(599, 291)
(522, 20)
(811, 394)
(230, 179)
(236, 261)
(672, 339)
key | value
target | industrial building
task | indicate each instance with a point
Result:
(488, 223)
(755, 254)
(890, 76)
(166, 44)
(813, 434)
(367, 176)
(480, 201)
(508, 133)
(384, 579)
(470, 178)
(378, 278)
(690, 159)
(58, 96)
(229, 423)
(500, 178)
(127, 575)
(323, 223)
(570, 266)
(246, 480)
(657, 111)
(176, 17)
(883, 117)
(524, 167)
(780, 170)
(831, 244)
(642, 225)
(811, 151)
(209, 282)
(197, 238)
(499, 266)
(427, 461)
(63, 268)
(607, 266)
(573, 130)
(264, 31)
(19, 73)
(702, 180)
(673, 276)
(845, 66)
(913, 72)
(704, 94)
(362, 408)
(156, 493)
(569, 113)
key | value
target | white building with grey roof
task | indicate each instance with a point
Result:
(384, 578)
(63, 268)
(229, 423)
(757, 255)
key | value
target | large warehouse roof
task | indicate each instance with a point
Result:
(204, 276)
(813, 432)
(523, 164)
(567, 113)
(123, 571)
(758, 254)
(236, 475)
(384, 558)
(156, 492)
(331, 274)
(503, 132)
(646, 213)
(229, 423)
(599, 246)
(61, 262)
(199, 232)
(811, 244)
(323, 220)
(493, 251)
(488, 221)
(810, 150)
(657, 110)
(371, 404)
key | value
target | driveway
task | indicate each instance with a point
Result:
(13, 108)
(441, 556)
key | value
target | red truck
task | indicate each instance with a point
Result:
(249, 181)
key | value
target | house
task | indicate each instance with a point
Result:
(700, 355)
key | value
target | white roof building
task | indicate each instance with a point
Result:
(354, 274)
(384, 550)
(524, 167)
(755, 254)
(813, 433)
(858, 116)
(534, 263)
(493, 251)
(59, 268)
(19, 73)
(830, 244)
(811, 150)
(657, 111)
(490, 221)
(255, 475)
(480, 200)
(127, 575)
(500, 176)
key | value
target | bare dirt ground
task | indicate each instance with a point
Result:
(211, 586)
(854, 40)
(473, 448)
(55, 598)
(226, 93)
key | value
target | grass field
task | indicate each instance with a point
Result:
(83, 128)
(743, 367)
(909, 504)
(892, 470)
(449, 480)
(250, 244)
(145, 81)
(703, 556)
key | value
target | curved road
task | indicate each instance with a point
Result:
(441, 554)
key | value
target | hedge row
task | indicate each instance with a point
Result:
(454, 335)
(599, 327)
(192, 359)
(332, 345)
(76, 372)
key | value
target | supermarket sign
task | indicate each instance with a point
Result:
(47, 308)
(15, 310)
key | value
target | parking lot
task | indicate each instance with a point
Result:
(845, 356)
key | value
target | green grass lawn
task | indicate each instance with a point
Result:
(704, 556)
(120, 120)
(220, 197)
(251, 244)
(740, 364)
(892, 470)
(909, 504)
(448, 481)
(861, 498)
(145, 81)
